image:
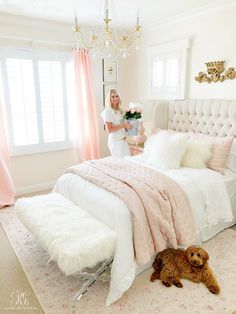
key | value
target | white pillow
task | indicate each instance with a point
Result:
(167, 150)
(198, 152)
(148, 145)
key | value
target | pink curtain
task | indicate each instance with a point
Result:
(87, 137)
(7, 190)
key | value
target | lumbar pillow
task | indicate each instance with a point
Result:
(167, 150)
(198, 152)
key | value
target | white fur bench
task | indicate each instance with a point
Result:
(72, 237)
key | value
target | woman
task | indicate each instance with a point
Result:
(112, 117)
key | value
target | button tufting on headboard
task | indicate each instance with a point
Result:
(212, 117)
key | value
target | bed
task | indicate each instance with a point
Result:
(211, 117)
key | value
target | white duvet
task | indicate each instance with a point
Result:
(208, 198)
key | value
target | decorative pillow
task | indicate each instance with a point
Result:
(231, 161)
(197, 153)
(167, 150)
(148, 145)
(220, 150)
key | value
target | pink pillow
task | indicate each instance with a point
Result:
(220, 150)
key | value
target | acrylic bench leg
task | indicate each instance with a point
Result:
(49, 261)
(91, 280)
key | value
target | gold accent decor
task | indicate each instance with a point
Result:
(106, 41)
(215, 74)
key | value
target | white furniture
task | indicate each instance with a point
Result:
(73, 238)
(198, 116)
(210, 117)
(213, 117)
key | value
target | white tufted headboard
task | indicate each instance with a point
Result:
(211, 117)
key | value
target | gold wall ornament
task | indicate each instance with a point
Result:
(230, 74)
(215, 71)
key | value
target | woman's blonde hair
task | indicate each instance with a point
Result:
(108, 100)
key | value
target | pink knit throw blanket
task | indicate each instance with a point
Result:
(161, 211)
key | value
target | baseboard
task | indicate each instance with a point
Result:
(35, 188)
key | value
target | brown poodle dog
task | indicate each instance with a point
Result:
(171, 265)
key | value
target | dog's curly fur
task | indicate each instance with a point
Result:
(171, 265)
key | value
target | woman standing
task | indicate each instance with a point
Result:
(112, 117)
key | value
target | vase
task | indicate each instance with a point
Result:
(135, 128)
(141, 129)
(141, 137)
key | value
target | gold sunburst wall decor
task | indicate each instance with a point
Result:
(215, 73)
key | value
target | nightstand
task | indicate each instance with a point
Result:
(135, 150)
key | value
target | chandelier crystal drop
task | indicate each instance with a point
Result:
(105, 42)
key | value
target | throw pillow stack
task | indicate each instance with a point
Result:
(168, 149)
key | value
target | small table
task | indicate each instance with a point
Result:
(135, 150)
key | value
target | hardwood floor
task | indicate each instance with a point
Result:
(16, 293)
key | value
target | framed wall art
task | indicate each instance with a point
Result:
(110, 71)
(110, 77)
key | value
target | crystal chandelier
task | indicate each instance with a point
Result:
(106, 42)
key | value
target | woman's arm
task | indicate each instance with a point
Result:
(110, 127)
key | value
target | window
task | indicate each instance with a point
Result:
(39, 97)
(167, 66)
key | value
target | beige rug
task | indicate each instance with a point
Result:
(55, 291)
(16, 293)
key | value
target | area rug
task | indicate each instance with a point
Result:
(55, 291)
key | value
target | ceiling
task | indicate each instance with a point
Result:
(90, 11)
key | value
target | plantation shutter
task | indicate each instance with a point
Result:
(38, 93)
(52, 105)
(166, 70)
(21, 93)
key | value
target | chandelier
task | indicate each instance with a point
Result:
(106, 42)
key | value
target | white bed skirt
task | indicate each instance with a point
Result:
(108, 208)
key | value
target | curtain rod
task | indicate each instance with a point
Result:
(36, 41)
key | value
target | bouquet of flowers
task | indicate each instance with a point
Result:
(132, 113)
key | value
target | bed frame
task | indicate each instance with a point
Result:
(213, 117)
(210, 117)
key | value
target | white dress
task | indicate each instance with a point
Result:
(116, 140)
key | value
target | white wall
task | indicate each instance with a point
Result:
(40, 171)
(212, 36)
